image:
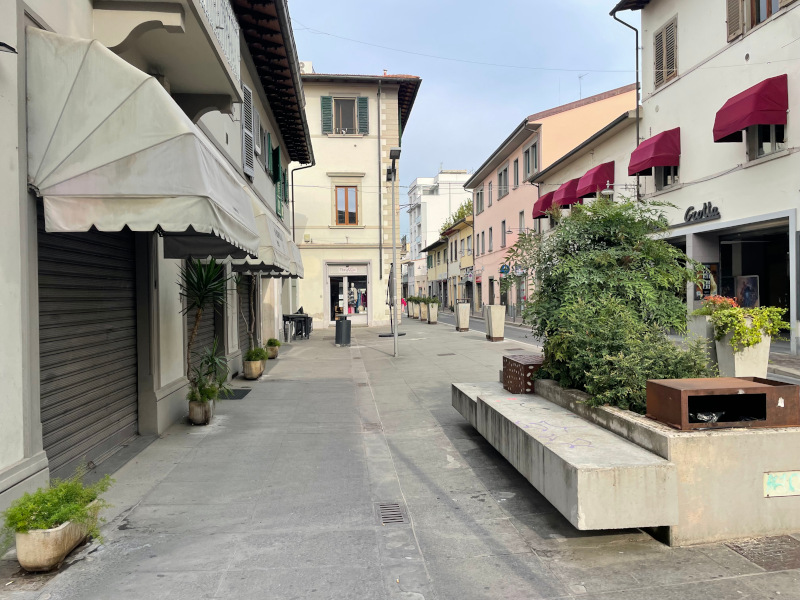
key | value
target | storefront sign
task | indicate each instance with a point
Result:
(710, 281)
(708, 212)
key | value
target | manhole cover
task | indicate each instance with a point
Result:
(238, 394)
(777, 553)
(366, 427)
(447, 354)
(391, 513)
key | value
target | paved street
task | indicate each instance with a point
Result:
(512, 332)
(279, 499)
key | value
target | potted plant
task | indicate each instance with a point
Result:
(699, 322)
(207, 383)
(272, 347)
(423, 309)
(743, 337)
(412, 307)
(254, 362)
(50, 522)
(433, 310)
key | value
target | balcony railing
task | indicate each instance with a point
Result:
(226, 28)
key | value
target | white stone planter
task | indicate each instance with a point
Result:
(414, 310)
(201, 413)
(253, 369)
(495, 322)
(462, 316)
(433, 314)
(701, 326)
(45, 549)
(750, 362)
(272, 351)
(423, 311)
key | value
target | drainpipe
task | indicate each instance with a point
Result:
(313, 162)
(613, 14)
(380, 189)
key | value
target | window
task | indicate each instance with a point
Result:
(502, 182)
(537, 226)
(765, 139)
(490, 193)
(345, 116)
(526, 163)
(439, 257)
(478, 201)
(469, 244)
(665, 177)
(346, 205)
(521, 221)
(502, 234)
(516, 173)
(490, 239)
(462, 247)
(666, 53)
(761, 10)
(483, 242)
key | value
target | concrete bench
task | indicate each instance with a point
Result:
(595, 478)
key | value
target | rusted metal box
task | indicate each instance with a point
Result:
(518, 370)
(716, 403)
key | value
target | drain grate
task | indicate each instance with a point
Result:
(513, 349)
(363, 385)
(778, 553)
(391, 514)
(447, 354)
(368, 427)
(238, 394)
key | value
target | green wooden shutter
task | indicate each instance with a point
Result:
(363, 115)
(268, 153)
(327, 114)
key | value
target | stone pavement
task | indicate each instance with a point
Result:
(278, 499)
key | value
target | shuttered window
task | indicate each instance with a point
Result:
(735, 20)
(248, 142)
(327, 114)
(363, 115)
(665, 53)
(269, 158)
(258, 132)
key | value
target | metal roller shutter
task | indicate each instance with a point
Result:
(87, 345)
(245, 289)
(205, 333)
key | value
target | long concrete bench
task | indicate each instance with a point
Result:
(595, 478)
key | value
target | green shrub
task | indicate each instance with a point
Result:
(46, 508)
(748, 324)
(209, 377)
(255, 354)
(273, 343)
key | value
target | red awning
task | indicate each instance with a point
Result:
(565, 195)
(661, 150)
(765, 103)
(596, 179)
(542, 205)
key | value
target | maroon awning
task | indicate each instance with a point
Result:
(765, 103)
(596, 180)
(661, 150)
(542, 205)
(565, 195)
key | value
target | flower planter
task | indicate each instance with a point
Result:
(253, 369)
(701, 326)
(462, 317)
(423, 311)
(433, 314)
(272, 352)
(752, 361)
(45, 549)
(413, 307)
(200, 413)
(495, 322)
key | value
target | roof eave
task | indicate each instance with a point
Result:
(497, 157)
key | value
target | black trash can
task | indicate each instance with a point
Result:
(342, 330)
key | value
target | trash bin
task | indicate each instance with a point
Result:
(342, 331)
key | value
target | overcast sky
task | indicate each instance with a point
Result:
(464, 109)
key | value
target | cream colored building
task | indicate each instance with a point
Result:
(460, 262)
(344, 203)
(136, 135)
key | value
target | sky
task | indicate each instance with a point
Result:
(512, 58)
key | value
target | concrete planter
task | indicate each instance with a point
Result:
(414, 308)
(462, 317)
(750, 362)
(495, 322)
(201, 413)
(433, 314)
(272, 352)
(253, 369)
(423, 311)
(45, 549)
(701, 326)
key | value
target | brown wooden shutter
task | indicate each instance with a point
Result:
(658, 56)
(735, 21)
(248, 142)
(670, 50)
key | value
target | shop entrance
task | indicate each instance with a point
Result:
(754, 267)
(349, 295)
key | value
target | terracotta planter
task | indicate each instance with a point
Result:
(750, 362)
(45, 549)
(423, 311)
(253, 369)
(701, 326)
(495, 322)
(272, 351)
(462, 316)
(433, 314)
(200, 413)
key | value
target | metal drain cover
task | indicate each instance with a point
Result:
(778, 553)
(513, 349)
(391, 513)
(447, 354)
(371, 427)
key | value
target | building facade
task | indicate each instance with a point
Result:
(437, 263)
(344, 203)
(459, 261)
(502, 196)
(134, 136)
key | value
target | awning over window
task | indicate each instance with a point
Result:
(297, 261)
(661, 150)
(274, 251)
(542, 205)
(596, 180)
(566, 194)
(109, 148)
(765, 103)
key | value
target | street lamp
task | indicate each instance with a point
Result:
(394, 155)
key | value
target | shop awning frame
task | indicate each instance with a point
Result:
(765, 103)
(661, 150)
(595, 180)
(542, 205)
(567, 195)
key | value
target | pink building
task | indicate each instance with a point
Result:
(503, 201)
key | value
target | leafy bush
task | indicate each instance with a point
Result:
(273, 343)
(748, 324)
(255, 354)
(607, 288)
(46, 508)
(462, 212)
(711, 304)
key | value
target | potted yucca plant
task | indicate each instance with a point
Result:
(207, 383)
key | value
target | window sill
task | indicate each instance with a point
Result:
(666, 190)
(346, 135)
(346, 226)
(763, 159)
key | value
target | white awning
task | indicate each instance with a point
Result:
(274, 254)
(109, 148)
(297, 261)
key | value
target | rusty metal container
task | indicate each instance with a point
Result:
(518, 370)
(723, 402)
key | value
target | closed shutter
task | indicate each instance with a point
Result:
(735, 20)
(258, 132)
(658, 56)
(245, 289)
(248, 144)
(363, 115)
(87, 345)
(326, 103)
(670, 50)
(268, 153)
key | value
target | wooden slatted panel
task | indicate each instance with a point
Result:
(245, 289)
(670, 50)
(659, 58)
(735, 21)
(87, 345)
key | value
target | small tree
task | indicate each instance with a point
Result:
(462, 212)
